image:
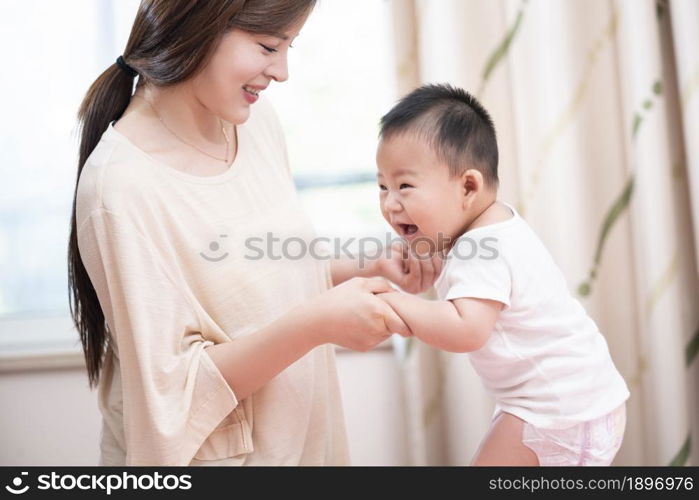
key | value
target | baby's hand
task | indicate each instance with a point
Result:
(412, 272)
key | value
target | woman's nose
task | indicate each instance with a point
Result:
(279, 69)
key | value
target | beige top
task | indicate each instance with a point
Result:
(176, 267)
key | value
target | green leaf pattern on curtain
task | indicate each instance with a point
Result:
(612, 41)
(690, 88)
(622, 202)
(501, 50)
(617, 208)
(682, 455)
(692, 348)
(663, 283)
(568, 113)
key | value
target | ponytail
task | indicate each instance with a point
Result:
(104, 102)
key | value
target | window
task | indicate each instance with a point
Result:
(341, 83)
(54, 52)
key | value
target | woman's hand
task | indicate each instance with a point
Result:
(413, 272)
(352, 316)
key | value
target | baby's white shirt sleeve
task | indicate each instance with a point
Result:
(482, 276)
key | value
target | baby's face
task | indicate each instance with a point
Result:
(419, 199)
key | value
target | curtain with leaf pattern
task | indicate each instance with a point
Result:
(596, 105)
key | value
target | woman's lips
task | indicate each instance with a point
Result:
(250, 97)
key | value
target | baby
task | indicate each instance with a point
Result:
(559, 398)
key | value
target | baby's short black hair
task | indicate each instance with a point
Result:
(458, 129)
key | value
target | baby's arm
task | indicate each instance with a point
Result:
(457, 325)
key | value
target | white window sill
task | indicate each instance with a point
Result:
(39, 344)
(53, 343)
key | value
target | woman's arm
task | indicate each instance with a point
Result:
(250, 361)
(349, 315)
(344, 268)
(396, 263)
(458, 325)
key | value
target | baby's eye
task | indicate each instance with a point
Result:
(268, 49)
(404, 185)
(382, 187)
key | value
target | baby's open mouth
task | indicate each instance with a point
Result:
(407, 229)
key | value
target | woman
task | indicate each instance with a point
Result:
(203, 355)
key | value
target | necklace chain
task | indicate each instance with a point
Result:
(223, 131)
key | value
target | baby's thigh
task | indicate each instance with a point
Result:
(502, 445)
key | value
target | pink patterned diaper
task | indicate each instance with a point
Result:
(595, 442)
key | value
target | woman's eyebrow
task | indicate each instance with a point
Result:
(281, 36)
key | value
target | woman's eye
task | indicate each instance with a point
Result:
(268, 49)
(404, 185)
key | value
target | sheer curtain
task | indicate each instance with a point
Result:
(54, 53)
(596, 103)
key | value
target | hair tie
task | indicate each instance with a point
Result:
(126, 68)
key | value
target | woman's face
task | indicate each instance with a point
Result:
(242, 66)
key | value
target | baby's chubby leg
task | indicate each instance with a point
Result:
(502, 445)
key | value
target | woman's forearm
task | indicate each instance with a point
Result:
(250, 361)
(435, 322)
(345, 268)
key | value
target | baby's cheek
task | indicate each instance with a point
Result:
(384, 214)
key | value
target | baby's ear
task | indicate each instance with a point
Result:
(472, 182)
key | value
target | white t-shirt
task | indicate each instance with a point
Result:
(545, 361)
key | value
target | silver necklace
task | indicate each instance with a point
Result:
(223, 131)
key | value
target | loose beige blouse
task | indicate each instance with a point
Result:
(181, 262)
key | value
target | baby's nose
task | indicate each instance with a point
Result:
(391, 203)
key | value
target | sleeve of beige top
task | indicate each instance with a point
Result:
(173, 394)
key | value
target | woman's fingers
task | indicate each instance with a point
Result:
(421, 270)
(427, 276)
(437, 264)
(376, 284)
(414, 278)
(428, 267)
(394, 323)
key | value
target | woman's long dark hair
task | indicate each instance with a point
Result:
(170, 41)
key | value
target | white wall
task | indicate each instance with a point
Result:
(50, 417)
